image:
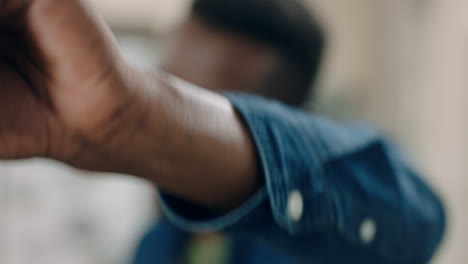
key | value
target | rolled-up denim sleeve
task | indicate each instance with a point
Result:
(333, 193)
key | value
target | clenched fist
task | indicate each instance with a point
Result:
(62, 80)
(66, 94)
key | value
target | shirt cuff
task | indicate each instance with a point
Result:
(198, 220)
(288, 180)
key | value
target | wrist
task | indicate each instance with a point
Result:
(113, 143)
(188, 141)
(202, 150)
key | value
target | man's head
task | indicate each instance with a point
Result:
(268, 47)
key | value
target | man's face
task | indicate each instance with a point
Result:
(218, 60)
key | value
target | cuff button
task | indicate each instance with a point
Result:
(295, 206)
(368, 231)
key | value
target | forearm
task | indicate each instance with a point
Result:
(190, 143)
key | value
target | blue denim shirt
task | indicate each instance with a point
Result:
(333, 193)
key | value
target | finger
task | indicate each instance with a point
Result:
(69, 34)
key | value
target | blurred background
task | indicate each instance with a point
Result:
(401, 64)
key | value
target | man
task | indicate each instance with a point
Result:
(268, 48)
(323, 192)
(271, 48)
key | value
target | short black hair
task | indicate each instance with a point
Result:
(285, 25)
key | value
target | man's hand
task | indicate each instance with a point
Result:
(66, 94)
(62, 81)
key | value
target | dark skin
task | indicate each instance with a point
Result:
(219, 60)
(216, 59)
(67, 94)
